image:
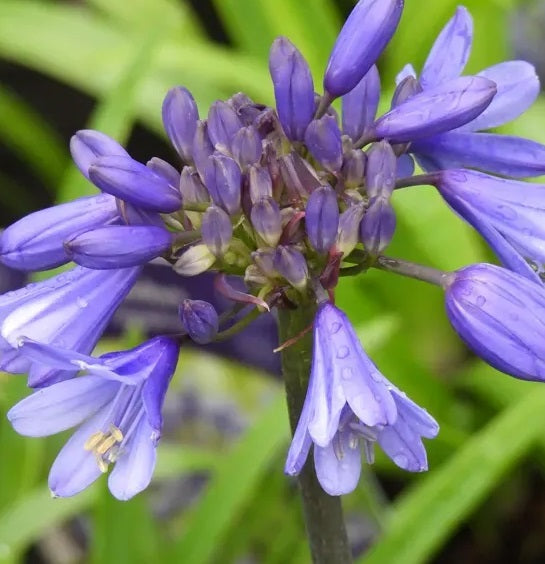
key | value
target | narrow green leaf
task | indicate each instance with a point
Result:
(431, 511)
(232, 485)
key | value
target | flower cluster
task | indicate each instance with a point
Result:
(288, 199)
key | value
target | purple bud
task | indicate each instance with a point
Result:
(298, 175)
(133, 182)
(35, 242)
(259, 183)
(200, 320)
(191, 186)
(349, 228)
(353, 169)
(362, 39)
(437, 110)
(202, 147)
(223, 123)
(499, 315)
(239, 100)
(378, 225)
(195, 260)
(217, 230)
(323, 139)
(264, 260)
(266, 220)
(87, 145)
(360, 105)
(406, 89)
(380, 173)
(322, 218)
(180, 115)
(293, 88)
(246, 146)
(223, 180)
(132, 215)
(291, 264)
(164, 169)
(118, 246)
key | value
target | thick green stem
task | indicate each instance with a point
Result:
(323, 513)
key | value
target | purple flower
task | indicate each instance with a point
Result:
(500, 315)
(180, 115)
(70, 310)
(293, 88)
(349, 404)
(362, 39)
(509, 214)
(200, 320)
(35, 242)
(116, 407)
(517, 89)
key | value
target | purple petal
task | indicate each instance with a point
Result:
(449, 54)
(301, 442)
(414, 415)
(499, 154)
(404, 446)
(322, 218)
(518, 87)
(134, 468)
(180, 115)
(338, 476)
(407, 70)
(323, 140)
(405, 166)
(61, 406)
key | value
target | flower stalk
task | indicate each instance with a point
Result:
(323, 513)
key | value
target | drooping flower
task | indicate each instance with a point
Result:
(350, 405)
(500, 315)
(116, 407)
(517, 88)
(70, 310)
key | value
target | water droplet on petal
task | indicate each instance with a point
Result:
(343, 352)
(82, 302)
(346, 373)
(334, 328)
(401, 460)
(480, 301)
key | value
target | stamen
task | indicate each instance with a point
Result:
(338, 448)
(369, 451)
(93, 440)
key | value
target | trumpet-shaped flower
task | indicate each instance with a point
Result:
(350, 405)
(116, 407)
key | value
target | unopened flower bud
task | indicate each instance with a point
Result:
(378, 225)
(200, 320)
(259, 183)
(87, 145)
(266, 220)
(264, 260)
(298, 175)
(223, 123)
(180, 115)
(380, 172)
(406, 89)
(246, 146)
(360, 105)
(217, 230)
(323, 139)
(349, 228)
(362, 39)
(223, 179)
(195, 260)
(291, 264)
(202, 147)
(322, 218)
(353, 169)
(118, 246)
(293, 88)
(135, 183)
(191, 186)
(164, 169)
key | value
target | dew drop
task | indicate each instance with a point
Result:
(334, 328)
(343, 352)
(346, 373)
(82, 302)
(401, 460)
(481, 300)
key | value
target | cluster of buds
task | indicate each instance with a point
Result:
(288, 199)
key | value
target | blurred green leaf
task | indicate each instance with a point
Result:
(431, 511)
(232, 485)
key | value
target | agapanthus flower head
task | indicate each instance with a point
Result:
(350, 405)
(116, 407)
(500, 315)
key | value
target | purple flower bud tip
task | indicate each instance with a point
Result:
(223, 124)
(87, 145)
(217, 230)
(291, 264)
(180, 115)
(362, 39)
(322, 218)
(223, 179)
(200, 320)
(378, 225)
(490, 307)
(323, 139)
(293, 88)
(381, 170)
(267, 221)
(135, 183)
(246, 146)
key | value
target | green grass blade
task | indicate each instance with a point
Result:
(432, 510)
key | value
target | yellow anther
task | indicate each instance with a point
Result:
(93, 440)
(102, 464)
(107, 443)
(116, 433)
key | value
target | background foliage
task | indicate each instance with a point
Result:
(219, 494)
